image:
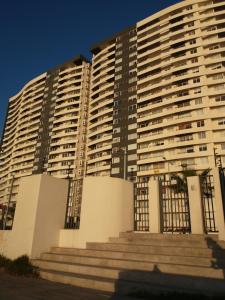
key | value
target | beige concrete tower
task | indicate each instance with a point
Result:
(45, 129)
(112, 138)
(158, 91)
(181, 89)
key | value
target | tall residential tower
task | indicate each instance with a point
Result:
(156, 103)
(46, 126)
(157, 94)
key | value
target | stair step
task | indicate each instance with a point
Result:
(159, 242)
(148, 249)
(130, 282)
(141, 261)
(130, 261)
(114, 273)
(83, 281)
(168, 236)
(187, 260)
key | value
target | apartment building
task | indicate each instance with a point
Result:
(46, 125)
(112, 136)
(156, 103)
(157, 94)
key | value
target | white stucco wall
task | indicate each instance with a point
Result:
(107, 209)
(40, 214)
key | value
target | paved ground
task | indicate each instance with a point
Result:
(20, 288)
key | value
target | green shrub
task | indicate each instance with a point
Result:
(4, 261)
(22, 266)
(19, 266)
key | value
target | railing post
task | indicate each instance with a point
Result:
(219, 204)
(8, 204)
(195, 204)
(154, 206)
(67, 203)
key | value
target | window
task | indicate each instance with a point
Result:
(217, 76)
(197, 91)
(132, 136)
(200, 123)
(132, 147)
(116, 140)
(115, 160)
(132, 126)
(133, 79)
(220, 98)
(132, 168)
(198, 101)
(190, 150)
(132, 117)
(117, 61)
(201, 135)
(216, 66)
(203, 148)
(192, 42)
(191, 24)
(132, 107)
(193, 51)
(118, 53)
(118, 68)
(132, 63)
(132, 157)
(116, 130)
(221, 122)
(132, 89)
(214, 47)
(196, 80)
(204, 160)
(194, 60)
(115, 170)
(117, 94)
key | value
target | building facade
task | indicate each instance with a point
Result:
(157, 94)
(46, 126)
(156, 104)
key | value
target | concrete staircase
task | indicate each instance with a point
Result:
(141, 261)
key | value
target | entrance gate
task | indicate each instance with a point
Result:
(175, 210)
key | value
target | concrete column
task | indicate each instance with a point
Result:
(218, 204)
(39, 216)
(195, 204)
(107, 209)
(154, 206)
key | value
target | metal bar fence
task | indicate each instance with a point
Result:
(141, 206)
(73, 210)
(175, 207)
(7, 215)
(208, 197)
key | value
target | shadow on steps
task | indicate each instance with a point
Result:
(161, 285)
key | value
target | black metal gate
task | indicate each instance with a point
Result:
(73, 210)
(222, 185)
(7, 212)
(141, 206)
(208, 196)
(175, 210)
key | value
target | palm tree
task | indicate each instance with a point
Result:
(180, 184)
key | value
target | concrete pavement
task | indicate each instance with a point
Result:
(21, 288)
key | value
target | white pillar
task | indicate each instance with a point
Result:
(154, 206)
(219, 214)
(195, 204)
(39, 216)
(107, 209)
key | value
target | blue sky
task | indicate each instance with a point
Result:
(38, 35)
